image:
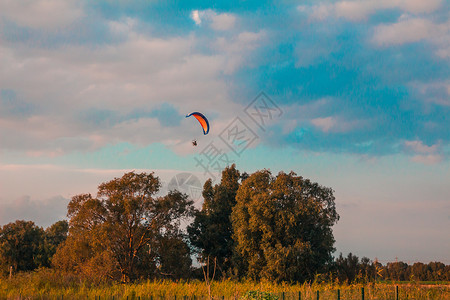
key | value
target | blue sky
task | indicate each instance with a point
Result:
(358, 94)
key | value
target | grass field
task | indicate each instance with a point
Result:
(50, 285)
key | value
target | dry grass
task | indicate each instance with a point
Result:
(47, 284)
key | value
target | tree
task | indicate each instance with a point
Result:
(211, 230)
(122, 226)
(398, 271)
(351, 269)
(282, 227)
(419, 271)
(83, 251)
(347, 268)
(22, 246)
(437, 270)
(53, 237)
(173, 256)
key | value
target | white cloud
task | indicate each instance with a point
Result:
(412, 26)
(405, 31)
(410, 30)
(117, 80)
(420, 147)
(356, 10)
(223, 21)
(237, 49)
(416, 6)
(138, 74)
(41, 14)
(320, 12)
(361, 10)
(424, 154)
(433, 92)
(218, 22)
(336, 124)
(297, 116)
(41, 212)
(122, 27)
(441, 40)
(325, 124)
(289, 126)
(196, 17)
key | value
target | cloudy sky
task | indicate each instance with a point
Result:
(354, 95)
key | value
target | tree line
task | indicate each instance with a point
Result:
(255, 226)
(352, 269)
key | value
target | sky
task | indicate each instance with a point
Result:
(354, 95)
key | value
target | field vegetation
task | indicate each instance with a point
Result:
(256, 236)
(50, 284)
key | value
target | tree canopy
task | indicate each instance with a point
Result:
(211, 230)
(123, 227)
(26, 246)
(282, 227)
(256, 226)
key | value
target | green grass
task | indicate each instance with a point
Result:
(47, 284)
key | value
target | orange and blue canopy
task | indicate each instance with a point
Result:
(202, 119)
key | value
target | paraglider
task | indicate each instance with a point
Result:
(203, 122)
(202, 119)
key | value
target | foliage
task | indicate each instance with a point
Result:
(351, 269)
(211, 230)
(173, 256)
(433, 271)
(25, 246)
(119, 232)
(282, 227)
(82, 256)
(54, 236)
(258, 295)
(21, 245)
(257, 226)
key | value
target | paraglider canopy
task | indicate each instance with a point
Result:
(202, 119)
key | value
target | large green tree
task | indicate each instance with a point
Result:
(119, 231)
(26, 246)
(211, 230)
(22, 246)
(282, 227)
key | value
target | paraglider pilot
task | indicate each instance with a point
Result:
(203, 122)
